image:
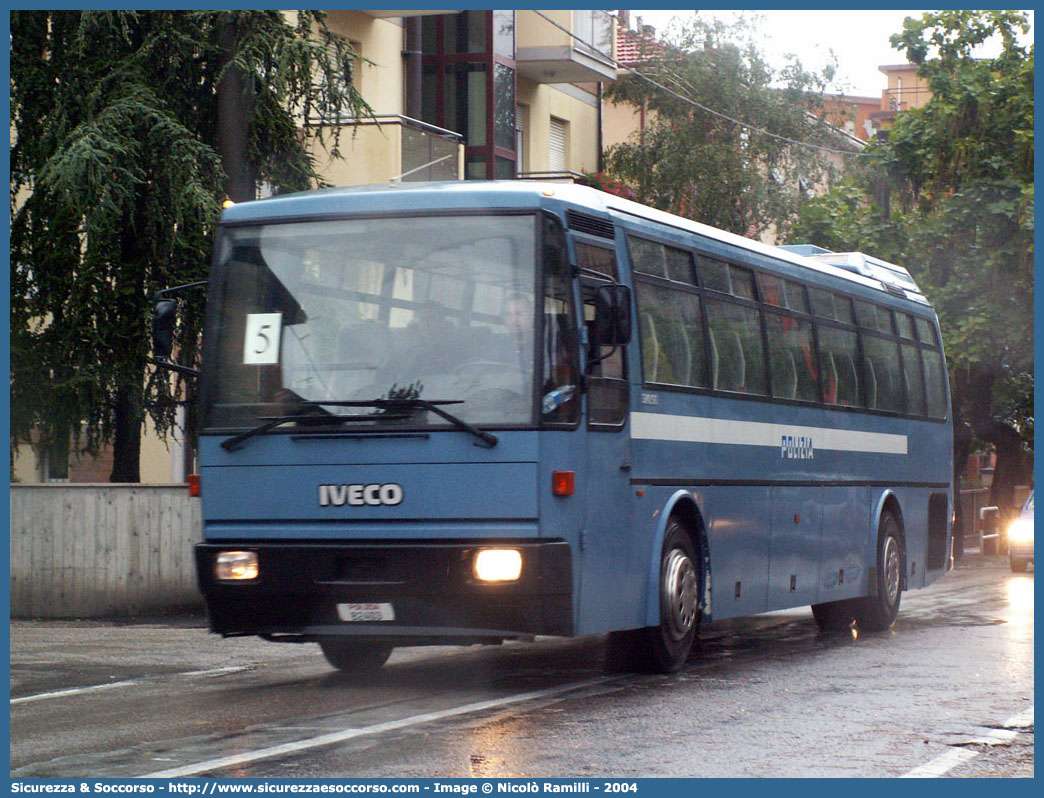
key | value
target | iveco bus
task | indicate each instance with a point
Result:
(471, 412)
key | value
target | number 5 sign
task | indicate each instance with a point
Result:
(261, 340)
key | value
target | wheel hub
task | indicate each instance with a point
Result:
(892, 569)
(680, 594)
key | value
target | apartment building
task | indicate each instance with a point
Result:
(466, 94)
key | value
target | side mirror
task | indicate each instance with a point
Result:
(611, 325)
(164, 314)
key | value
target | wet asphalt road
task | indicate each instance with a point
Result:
(948, 690)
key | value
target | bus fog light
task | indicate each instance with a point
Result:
(236, 566)
(498, 565)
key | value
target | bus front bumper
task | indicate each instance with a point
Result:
(403, 593)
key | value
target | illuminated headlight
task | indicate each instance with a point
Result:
(236, 566)
(1021, 530)
(498, 565)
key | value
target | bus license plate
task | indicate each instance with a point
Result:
(365, 613)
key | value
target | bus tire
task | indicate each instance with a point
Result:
(664, 648)
(353, 656)
(878, 612)
(834, 616)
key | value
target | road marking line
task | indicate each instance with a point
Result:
(72, 691)
(216, 671)
(111, 685)
(379, 728)
(946, 762)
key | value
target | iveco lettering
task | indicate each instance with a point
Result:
(473, 412)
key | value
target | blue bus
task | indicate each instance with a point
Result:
(456, 413)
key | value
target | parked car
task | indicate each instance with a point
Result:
(1020, 538)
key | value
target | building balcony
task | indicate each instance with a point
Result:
(393, 148)
(547, 53)
(388, 14)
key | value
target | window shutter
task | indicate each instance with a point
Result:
(557, 160)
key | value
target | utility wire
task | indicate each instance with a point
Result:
(693, 102)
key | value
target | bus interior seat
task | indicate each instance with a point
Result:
(733, 365)
(828, 372)
(871, 384)
(684, 358)
(650, 348)
(784, 374)
(713, 347)
(847, 380)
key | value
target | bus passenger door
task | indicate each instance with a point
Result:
(610, 593)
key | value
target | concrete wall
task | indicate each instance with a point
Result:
(93, 550)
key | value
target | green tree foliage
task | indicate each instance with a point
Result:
(704, 167)
(950, 195)
(118, 169)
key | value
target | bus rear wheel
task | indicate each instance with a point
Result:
(664, 648)
(833, 616)
(878, 612)
(353, 656)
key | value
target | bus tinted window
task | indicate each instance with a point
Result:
(874, 317)
(782, 293)
(659, 260)
(596, 259)
(831, 306)
(672, 336)
(914, 380)
(679, 266)
(839, 354)
(925, 331)
(724, 277)
(792, 359)
(882, 374)
(904, 324)
(935, 383)
(736, 348)
(647, 257)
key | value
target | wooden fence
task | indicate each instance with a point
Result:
(83, 551)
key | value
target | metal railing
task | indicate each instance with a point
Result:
(428, 152)
(904, 99)
(595, 28)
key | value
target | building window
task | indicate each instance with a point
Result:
(557, 161)
(469, 86)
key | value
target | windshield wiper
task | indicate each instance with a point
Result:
(393, 410)
(307, 411)
(488, 438)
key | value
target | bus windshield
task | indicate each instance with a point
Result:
(439, 308)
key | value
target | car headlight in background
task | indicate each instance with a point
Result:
(1021, 530)
(498, 565)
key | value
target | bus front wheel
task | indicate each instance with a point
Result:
(878, 612)
(352, 656)
(664, 648)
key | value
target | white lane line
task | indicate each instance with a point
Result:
(378, 728)
(73, 691)
(95, 688)
(215, 671)
(946, 762)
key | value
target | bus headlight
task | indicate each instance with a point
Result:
(1021, 530)
(498, 565)
(236, 566)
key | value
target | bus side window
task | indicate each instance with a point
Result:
(607, 395)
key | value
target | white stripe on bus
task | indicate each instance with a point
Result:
(694, 429)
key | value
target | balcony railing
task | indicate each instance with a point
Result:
(394, 148)
(895, 100)
(428, 152)
(595, 28)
